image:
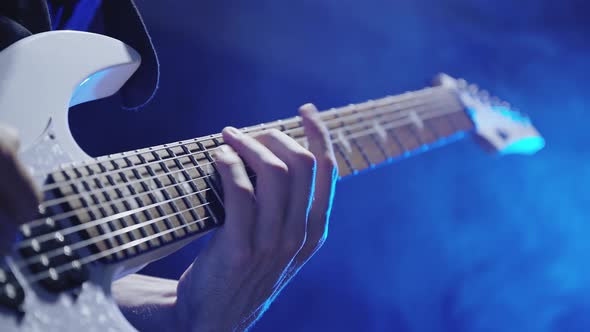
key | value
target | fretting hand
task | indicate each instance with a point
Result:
(269, 233)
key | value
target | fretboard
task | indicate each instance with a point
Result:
(130, 203)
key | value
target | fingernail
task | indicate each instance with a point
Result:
(308, 109)
(222, 149)
(219, 152)
(232, 131)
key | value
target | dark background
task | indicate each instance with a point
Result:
(451, 240)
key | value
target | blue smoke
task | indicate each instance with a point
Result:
(452, 240)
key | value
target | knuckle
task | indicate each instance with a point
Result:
(276, 168)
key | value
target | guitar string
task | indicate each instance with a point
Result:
(89, 259)
(92, 223)
(106, 236)
(58, 184)
(50, 236)
(109, 235)
(353, 115)
(40, 221)
(110, 186)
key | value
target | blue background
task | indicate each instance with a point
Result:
(451, 240)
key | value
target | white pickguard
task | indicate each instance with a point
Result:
(40, 78)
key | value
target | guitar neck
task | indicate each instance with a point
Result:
(128, 204)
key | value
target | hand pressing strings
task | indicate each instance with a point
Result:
(268, 234)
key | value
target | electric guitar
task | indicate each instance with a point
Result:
(102, 218)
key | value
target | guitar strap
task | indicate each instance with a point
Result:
(119, 19)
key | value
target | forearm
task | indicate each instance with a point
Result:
(147, 302)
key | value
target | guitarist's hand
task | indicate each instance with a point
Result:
(18, 196)
(268, 235)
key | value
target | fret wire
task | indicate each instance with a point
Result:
(373, 137)
(339, 150)
(206, 176)
(202, 174)
(180, 190)
(216, 136)
(139, 178)
(164, 192)
(93, 223)
(147, 193)
(107, 227)
(140, 202)
(113, 205)
(124, 200)
(361, 121)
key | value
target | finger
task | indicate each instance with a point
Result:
(239, 200)
(17, 189)
(326, 175)
(301, 164)
(272, 186)
(9, 137)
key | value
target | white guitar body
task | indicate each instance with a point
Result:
(42, 76)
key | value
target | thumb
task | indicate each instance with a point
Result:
(9, 137)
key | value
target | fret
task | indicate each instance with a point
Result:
(211, 199)
(171, 208)
(187, 204)
(461, 121)
(406, 137)
(442, 126)
(135, 203)
(369, 144)
(353, 153)
(425, 134)
(145, 215)
(193, 202)
(113, 225)
(393, 146)
(157, 194)
(123, 205)
(216, 194)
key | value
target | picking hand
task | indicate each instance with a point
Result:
(18, 196)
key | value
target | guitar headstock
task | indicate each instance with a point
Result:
(505, 130)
